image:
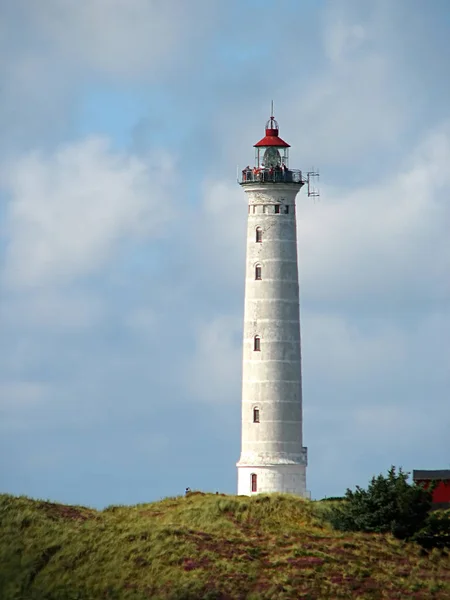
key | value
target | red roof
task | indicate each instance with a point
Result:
(271, 139)
(442, 474)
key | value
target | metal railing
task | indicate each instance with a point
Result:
(271, 176)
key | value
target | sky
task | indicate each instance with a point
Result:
(122, 237)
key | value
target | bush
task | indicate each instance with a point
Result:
(332, 499)
(389, 505)
(436, 533)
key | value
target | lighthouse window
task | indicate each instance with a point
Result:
(258, 272)
(254, 482)
(256, 415)
(258, 234)
(257, 343)
(286, 210)
(277, 209)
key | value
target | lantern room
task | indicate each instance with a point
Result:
(271, 160)
(271, 151)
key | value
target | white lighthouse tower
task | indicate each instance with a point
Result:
(273, 458)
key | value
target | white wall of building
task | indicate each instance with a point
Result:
(290, 479)
(273, 448)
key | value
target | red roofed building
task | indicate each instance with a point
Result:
(441, 493)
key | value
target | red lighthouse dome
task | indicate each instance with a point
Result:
(271, 138)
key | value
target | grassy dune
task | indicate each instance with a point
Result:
(204, 546)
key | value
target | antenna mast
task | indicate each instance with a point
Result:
(312, 189)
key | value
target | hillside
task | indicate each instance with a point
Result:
(204, 546)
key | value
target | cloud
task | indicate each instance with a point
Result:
(21, 394)
(342, 36)
(221, 226)
(383, 244)
(343, 96)
(69, 211)
(72, 309)
(347, 352)
(51, 56)
(21, 398)
(358, 99)
(123, 37)
(142, 321)
(213, 371)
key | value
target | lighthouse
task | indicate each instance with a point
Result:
(273, 458)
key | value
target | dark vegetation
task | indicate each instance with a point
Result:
(389, 505)
(208, 546)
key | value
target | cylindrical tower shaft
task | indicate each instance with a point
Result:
(273, 458)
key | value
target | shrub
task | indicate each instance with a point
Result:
(332, 499)
(436, 533)
(389, 505)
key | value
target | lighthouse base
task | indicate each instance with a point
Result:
(289, 479)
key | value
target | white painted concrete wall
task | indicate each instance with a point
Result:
(273, 448)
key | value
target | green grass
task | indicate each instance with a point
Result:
(205, 546)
